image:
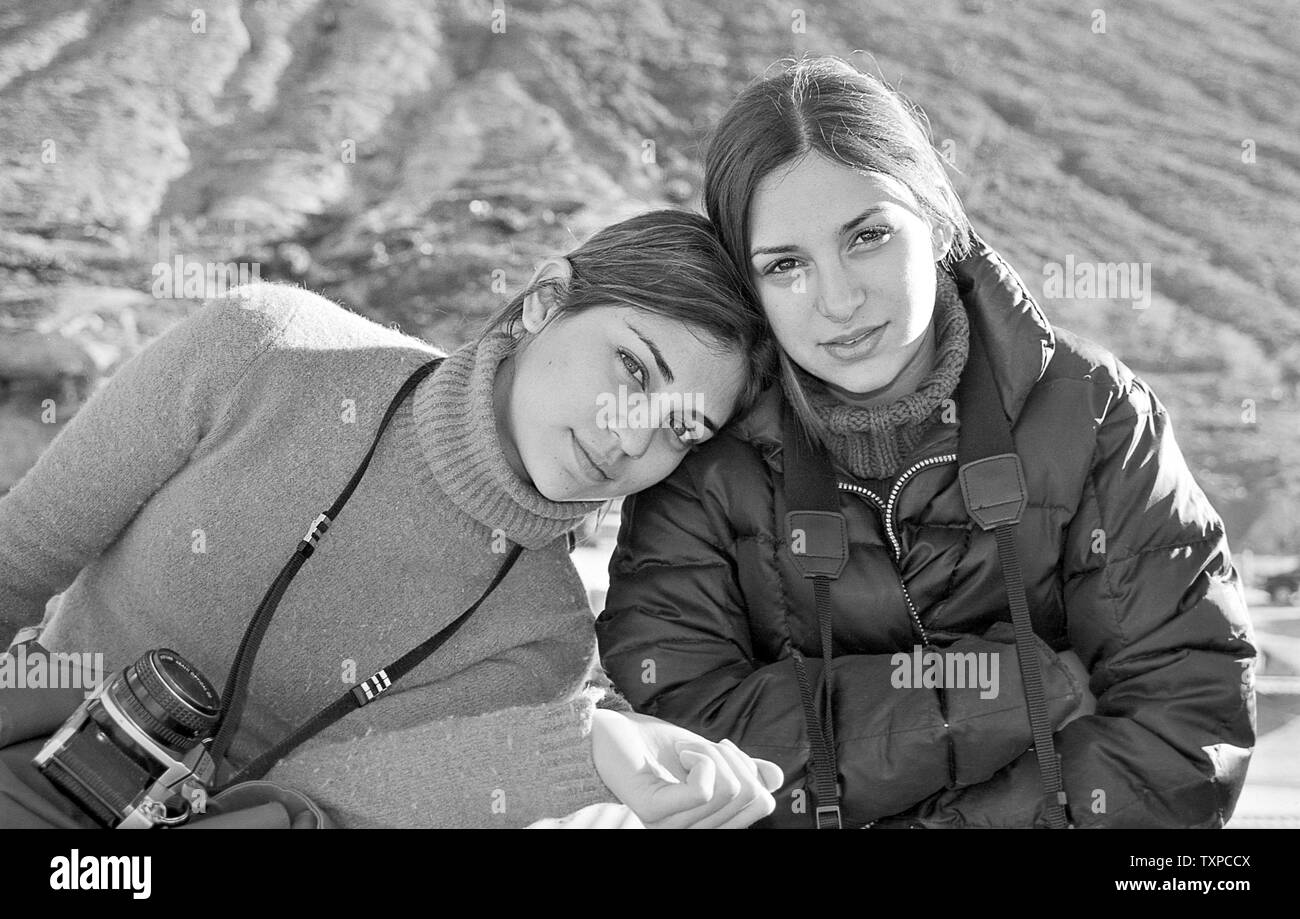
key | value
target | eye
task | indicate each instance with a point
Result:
(635, 369)
(776, 267)
(874, 234)
(688, 435)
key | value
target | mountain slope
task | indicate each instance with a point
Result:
(413, 160)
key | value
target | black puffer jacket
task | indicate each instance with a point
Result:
(1125, 563)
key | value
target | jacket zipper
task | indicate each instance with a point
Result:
(887, 510)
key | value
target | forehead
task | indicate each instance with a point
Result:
(816, 192)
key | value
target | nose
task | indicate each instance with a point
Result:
(839, 295)
(634, 440)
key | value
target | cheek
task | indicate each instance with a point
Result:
(907, 285)
(921, 286)
(654, 467)
(921, 261)
(786, 312)
(586, 385)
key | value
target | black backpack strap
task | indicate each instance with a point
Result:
(815, 525)
(993, 487)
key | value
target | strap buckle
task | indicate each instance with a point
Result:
(369, 690)
(994, 490)
(317, 529)
(1064, 804)
(819, 542)
(826, 813)
(314, 534)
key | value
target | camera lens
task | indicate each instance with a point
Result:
(190, 686)
(169, 698)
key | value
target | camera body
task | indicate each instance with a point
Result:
(135, 753)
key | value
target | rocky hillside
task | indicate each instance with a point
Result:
(412, 160)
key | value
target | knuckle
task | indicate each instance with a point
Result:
(728, 787)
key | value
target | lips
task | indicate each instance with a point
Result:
(852, 338)
(586, 465)
(856, 344)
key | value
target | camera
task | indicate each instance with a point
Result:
(135, 753)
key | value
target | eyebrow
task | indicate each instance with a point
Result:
(844, 228)
(667, 372)
(658, 355)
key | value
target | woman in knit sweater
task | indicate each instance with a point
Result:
(864, 642)
(166, 506)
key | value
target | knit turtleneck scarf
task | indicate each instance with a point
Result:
(873, 442)
(456, 427)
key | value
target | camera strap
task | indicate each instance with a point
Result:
(815, 524)
(235, 695)
(993, 487)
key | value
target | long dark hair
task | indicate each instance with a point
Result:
(822, 105)
(671, 263)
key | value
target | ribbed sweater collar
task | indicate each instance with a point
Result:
(874, 442)
(455, 425)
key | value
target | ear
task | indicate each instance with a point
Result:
(541, 305)
(941, 236)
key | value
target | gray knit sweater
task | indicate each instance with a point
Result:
(168, 504)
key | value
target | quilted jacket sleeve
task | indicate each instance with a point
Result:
(1156, 613)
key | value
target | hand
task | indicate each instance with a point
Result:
(672, 778)
(593, 817)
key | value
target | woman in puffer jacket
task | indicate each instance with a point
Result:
(831, 583)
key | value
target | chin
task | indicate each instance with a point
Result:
(850, 381)
(563, 489)
(554, 491)
(860, 387)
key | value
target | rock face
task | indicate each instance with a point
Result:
(413, 160)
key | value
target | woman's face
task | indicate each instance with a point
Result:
(844, 265)
(608, 401)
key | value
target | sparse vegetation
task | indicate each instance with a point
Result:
(1168, 139)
